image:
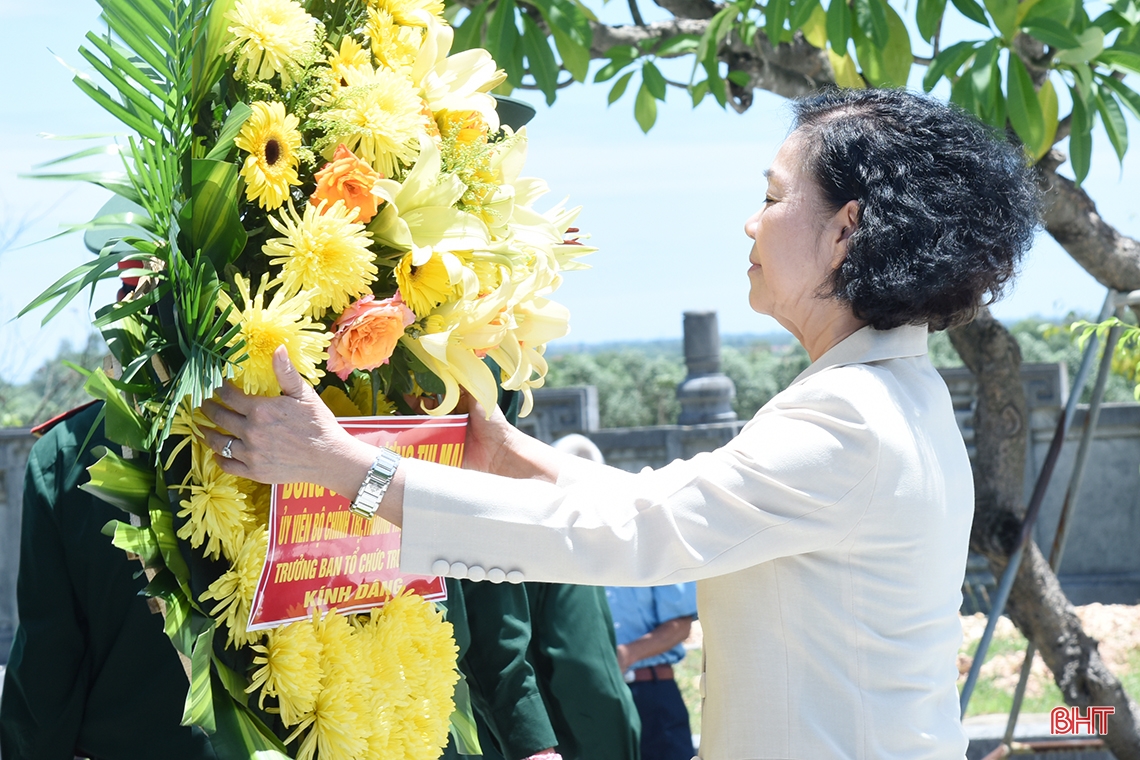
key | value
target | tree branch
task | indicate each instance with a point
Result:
(1037, 605)
(1071, 217)
(695, 9)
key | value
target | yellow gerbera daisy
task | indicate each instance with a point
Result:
(271, 138)
(325, 252)
(411, 12)
(378, 117)
(216, 512)
(393, 45)
(271, 37)
(350, 57)
(264, 328)
(423, 286)
(234, 589)
(288, 668)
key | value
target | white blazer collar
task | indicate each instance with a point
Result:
(867, 345)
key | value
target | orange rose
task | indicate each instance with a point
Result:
(365, 335)
(351, 180)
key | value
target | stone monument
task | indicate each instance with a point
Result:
(706, 393)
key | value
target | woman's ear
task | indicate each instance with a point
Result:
(843, 226)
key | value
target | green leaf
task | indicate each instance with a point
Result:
(1128, 9)
(540, 60)
(929, 17)
(1080, 138)
(1047, 96)
(230, 130)
(645, 108)
(1004, 14)
(1092, 43)
(199, 709)
(575, 56)
(1024, 108)
(890, 66)
(775, 14)
(502, 36)
(1060, 11)
(134, 539)
(678, 45)
(802, 10)
(119, 482)
(611, 69)
(1114, 123)
(872, 21)
(1051, 33)
(699, 90)
(122, 424)
(983, 69)
(216, 229)
(838, 25)
(1130, 97)
(1121, 59)
(947, 63)
(653, 80)
(161, 514)
(469, 34)
(741, 78)
(971, 10)
(619, 88)
(463, 727)
(240, 734)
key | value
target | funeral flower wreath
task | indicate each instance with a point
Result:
(328, 176)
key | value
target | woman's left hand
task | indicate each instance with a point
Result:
(284, 439)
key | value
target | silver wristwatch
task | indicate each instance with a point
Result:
(375, 483)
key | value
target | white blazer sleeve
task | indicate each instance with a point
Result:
(798, 478)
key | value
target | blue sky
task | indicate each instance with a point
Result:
(667, 210)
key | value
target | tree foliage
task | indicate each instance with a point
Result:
(1011, 63)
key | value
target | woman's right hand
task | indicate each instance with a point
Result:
(488, 437)
(493, 445)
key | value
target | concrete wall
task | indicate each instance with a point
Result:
(14, 447)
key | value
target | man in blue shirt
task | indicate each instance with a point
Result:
(650, 625)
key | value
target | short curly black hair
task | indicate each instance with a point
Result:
(947, 208)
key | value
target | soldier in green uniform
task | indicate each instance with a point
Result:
(91, 673)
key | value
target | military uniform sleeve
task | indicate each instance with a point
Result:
(503, 685)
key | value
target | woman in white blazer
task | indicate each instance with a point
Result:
(829, 538)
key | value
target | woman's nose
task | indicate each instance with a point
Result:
(750, 225)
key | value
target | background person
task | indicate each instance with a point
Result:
(651, 623)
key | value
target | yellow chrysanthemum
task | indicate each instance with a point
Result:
(258, 496)
(289, 669)
(234, 590)
(271, 37)
(360, 391)
(339, 403)
(412, 656)
(264, 328)
(271, 138)
(411, 12)
(378, 116)
(340, 722)
(216, 513)
(337, 727)
(350, 58)
(325, 252)
(423, 286)
(394, 46)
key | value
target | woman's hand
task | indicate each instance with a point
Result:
(493, 445)
(488, 439)
(288, 438)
